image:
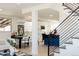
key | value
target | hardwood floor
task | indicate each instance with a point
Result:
(42, 49)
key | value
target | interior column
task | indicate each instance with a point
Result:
(34, 32)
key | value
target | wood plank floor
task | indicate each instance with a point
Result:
(42, 49)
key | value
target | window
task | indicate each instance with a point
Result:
(28, 26)
(7, 28)
(5, 24)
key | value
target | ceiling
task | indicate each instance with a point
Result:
(15, 9)
(8, 10)
(44, 14)
(48, 14)
(4, 22)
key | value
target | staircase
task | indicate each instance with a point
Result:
(67, 29)
(71, 49)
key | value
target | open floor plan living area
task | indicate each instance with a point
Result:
(39, 29)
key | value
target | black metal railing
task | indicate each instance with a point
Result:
(67, 17)
(64, 21)
(66, 34)
(71, 6)
(69, 24)
(71, 32)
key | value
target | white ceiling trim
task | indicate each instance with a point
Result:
(39, 7)
(54, 6)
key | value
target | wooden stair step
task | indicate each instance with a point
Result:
(70, 42)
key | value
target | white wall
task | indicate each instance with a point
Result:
(46, 24)
(7, 28)
(49, 26)
(4, 35)
(16, 21)
(28, 26)
(62, 13)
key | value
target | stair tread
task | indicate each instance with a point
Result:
(62, 46)
(75, 37)
(69, 42)
(57, 50)
(65, 8)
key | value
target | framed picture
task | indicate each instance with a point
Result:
(21, 30)
(42, 27)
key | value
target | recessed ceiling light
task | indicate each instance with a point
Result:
(19, 3)
(28, 17)
(1, 9)
(51, 15)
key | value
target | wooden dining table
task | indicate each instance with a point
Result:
(20, 40)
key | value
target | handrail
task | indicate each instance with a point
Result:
(74, 32)
(68, 27)
(68, 33)
(63, 21)
(67, 7)
(63, 40)
(67, 17)
(66, 20)
(70, 8)
(52, 51)
(66, 24)
(72, 27)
